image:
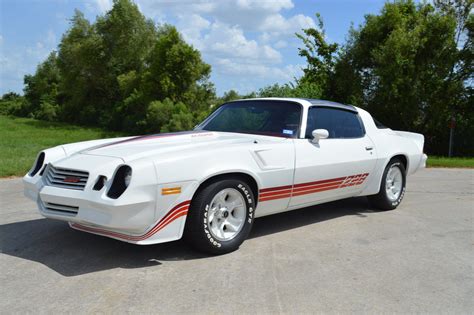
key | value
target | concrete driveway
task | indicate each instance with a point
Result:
(338, 257)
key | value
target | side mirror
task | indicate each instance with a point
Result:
(319, 134)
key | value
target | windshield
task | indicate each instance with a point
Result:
(272, 118)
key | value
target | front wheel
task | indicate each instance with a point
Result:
(392, 187)
(220, 217)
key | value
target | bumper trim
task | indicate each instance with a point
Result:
(177, 211)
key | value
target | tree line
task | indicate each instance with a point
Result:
(411, 66)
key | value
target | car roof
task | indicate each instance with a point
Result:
(306, 102)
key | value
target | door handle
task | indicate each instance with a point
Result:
(369, 148)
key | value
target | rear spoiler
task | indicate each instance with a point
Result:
(418, 138)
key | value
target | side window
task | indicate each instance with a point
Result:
(338, 122)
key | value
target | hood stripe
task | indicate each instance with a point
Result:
(149, 137)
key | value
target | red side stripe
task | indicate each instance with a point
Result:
(175, 213)
(288, 191)
(314, 191)
(303, 188)
(275, 188)
(274, 197)
(320, 182)
(278, 192)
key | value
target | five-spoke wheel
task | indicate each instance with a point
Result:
(221, 216)
(227, 214)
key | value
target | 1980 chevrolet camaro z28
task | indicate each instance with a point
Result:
(248, 159)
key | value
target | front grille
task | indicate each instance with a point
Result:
(60, 209)
(65, 178)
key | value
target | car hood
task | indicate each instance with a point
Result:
(144, 146)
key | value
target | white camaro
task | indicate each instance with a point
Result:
(250, 158)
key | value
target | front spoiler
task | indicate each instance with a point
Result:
(174, 219)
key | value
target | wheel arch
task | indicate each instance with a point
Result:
(402, 157)
(374, 185)
(248, 178)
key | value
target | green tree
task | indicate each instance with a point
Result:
(231, 95)
(175, 68)
(42, 88)
(83, 84)
(109, 73)
(166, 116)
(320, 58)
(302, 89)
(12, 103)
(174, 71)
(95, 57)
(410, 66)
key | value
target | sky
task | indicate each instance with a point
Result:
(249, 43)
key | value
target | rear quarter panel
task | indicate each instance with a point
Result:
(391, 143)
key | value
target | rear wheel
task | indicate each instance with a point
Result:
(392, 187)
(220, 217)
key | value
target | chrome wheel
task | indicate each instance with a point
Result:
(226, 215)
(394, 183)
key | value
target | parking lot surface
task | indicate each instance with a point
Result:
(337, 257)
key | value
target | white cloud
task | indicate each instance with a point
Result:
(280, 44)
(43, 48)
(278, 74)
(98, 6)
(276, 25)
(103, 5)
(249, 15)
(191, 27)
(247, 42)
(225, 41)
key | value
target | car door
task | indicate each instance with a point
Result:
(336, 167)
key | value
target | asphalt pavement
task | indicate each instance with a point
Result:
(340, 257)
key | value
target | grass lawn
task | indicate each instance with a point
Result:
(440, 161)
(22, 138)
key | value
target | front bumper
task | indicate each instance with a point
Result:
(133, 217)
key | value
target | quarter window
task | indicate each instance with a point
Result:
(339, 123)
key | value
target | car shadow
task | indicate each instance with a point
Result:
(71, 253)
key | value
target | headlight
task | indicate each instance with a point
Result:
(38, 164)
(121, 181)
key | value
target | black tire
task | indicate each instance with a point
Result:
(197, 233)
(381, 200)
